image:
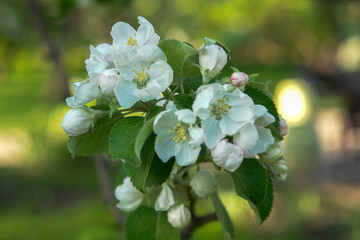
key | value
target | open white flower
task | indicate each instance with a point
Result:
(204, 183)
(165, 199)
(177, 135)
(123, 33)
(79, 120)
(129, 197)
(126, 40)
(100, 58)
(212, 60)
(222, 112)
(227, 155)
(179, 216)
(144, 78)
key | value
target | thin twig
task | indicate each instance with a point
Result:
(107, 190)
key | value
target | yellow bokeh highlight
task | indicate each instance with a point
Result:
(293, 102)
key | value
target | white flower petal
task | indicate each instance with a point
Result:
(87, 92)
(165, 199)
(150, 53)
(121, 32)
(228, 126)
(124, 93)
(197, 136)
(202, 103)
(146, 33)
(186, 116)
(165, 145)
(265, 140)
(247, 136)
(165, 120)
(212, 132)
(187, 154)
(265, 120)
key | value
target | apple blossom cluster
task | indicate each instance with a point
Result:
(166, 109)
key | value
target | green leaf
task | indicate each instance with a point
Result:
(275, 133)
(96, 141)
(250, 181)
(261, 98)
(262, 210)
(192, 84)
(264, 87)
(122, 139)
(146, 130)
(223, 217)
(146, 223)
(159, 171)
(143, 135)
(152, 172)
(178, 55)
(183, 101)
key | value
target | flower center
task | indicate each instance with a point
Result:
(180, 131)
(220, 108)
(132, 41)
(142, 77)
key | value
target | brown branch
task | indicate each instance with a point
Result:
(39, 23)
(195, 223)
(107, 190)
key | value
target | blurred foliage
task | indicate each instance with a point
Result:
(49, 196)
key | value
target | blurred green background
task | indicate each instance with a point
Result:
(309, 49)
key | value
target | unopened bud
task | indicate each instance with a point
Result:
(283, 127)
(212, 60)
(279, 168)
(204, 183)
(129, 197)
(227, 155)
(239, 79)
(77, 121)
(274, 151)
(179, 216)
(165, 199)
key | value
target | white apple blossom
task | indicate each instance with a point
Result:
(179, 216)
(177, 135)
(165, 199)
(129, 197)
(79, 120)
(144, 78)
(212, 59)
(123, 33)
(227, 155)
(222, 112)
(100, 58)
(126, 40)
(203, 183)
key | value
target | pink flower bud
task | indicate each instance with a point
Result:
(283, 127)
(239, 79)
